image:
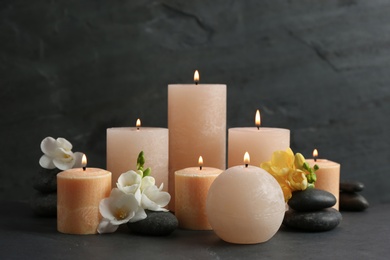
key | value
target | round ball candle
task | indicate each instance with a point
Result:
(192, 185)
(260, 142)
(79, 192)
(328, 176)
(197, 125)
(125, 143)
(245, 205)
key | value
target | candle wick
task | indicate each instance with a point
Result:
(137, 128)
(315, 159)
(258, 127)
(246, 165)
(200, 167)
(84, 168)
(196, 82)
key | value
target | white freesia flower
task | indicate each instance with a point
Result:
(58, 153)
(118, 209)
(154, 198)
(130, 183)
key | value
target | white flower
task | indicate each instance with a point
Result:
(130, 183)
(58, 153)
(153, 198)
(118, 209)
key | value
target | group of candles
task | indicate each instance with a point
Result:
(197, 131)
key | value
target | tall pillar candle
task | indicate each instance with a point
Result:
(192, 185)
(260, 142)
(125, 143)
(328, 177)
(197, 126)
(79, 193)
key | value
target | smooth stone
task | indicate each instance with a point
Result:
(46, 180)
(351, 186)
(157, 223)
(44, 205)
(322, 220)
(311, 200)
(352, 202)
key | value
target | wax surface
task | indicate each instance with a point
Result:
(192, 186)
(197, 126)
(245, 205)
(259, 143)
(78, 196)
(125, 143)
(328, 177)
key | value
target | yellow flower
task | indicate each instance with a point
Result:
(288, 170)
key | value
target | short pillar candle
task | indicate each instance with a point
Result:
(79, 193)
(191, 186)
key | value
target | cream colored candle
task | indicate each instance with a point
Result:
(197, 125)
(245, 205)
(79, 193)
(125, 143)
(192, 185)
(328, 177)
(260, 142)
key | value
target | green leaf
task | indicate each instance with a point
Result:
(147, 172)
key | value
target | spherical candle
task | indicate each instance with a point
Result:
(245, 205)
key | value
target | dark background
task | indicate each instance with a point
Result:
(73, 68)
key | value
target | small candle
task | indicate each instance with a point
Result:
(191, 186)
(125, 143)
(79, 192)
(245, 205)
(328, 176)
(260, 142)
(197, 125)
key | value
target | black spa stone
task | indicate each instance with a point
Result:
(311, 200)
(46, 180)
(352, 202)
(351, 186)
(44, 204)
(157, 223)
(316, 221)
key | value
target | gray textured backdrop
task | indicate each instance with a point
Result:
(74, 68)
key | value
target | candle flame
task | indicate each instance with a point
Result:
(196, 77)
(84, 161)
(247, 159)
(315, 153)
(257, 119)
(200, 162)
(138, 123)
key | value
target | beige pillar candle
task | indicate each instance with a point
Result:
(197, 126)
(125, 143)
(245, 205)
(260, 142)
(328, 176)
(191, 186)
(79, 193)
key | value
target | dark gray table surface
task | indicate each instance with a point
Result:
(361, 235)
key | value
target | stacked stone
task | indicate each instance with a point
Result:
(44, 201)
(350, 200)
(310, 210)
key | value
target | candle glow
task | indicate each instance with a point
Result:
(315, 154)
(196, 77)
(247, 159)
(200, 162)
(84, 162)
(258, 119)
(138, 123)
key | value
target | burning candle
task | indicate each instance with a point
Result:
(259, 141)
(79, 192)
(197, 125)
(192, 185)
(125, 143)
(245, 204)
(328, 175)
